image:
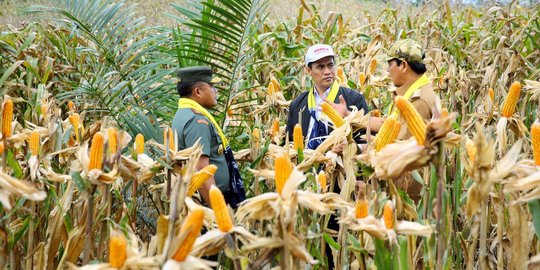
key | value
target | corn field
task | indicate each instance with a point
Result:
(91, 175)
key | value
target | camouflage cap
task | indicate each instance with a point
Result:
(197, 74)
(405, 49)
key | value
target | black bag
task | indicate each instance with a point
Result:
(236, 193)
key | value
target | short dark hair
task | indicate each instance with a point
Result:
(417, 67)
(184, 88)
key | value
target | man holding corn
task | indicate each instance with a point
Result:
(193, 123)
(306, 108)
(407, 72)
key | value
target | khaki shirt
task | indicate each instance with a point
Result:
(424, 100)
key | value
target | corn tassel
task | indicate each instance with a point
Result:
(333, 114)
(7, 118)
(470, 148)
(491, 95)
(298, 138)
(139, 144)
(321, 178)
(362, 78)
(75, 120)
(117, 251)
(416, 125)
(509, 105)
(200, 177)
(96, 152)
(535, 138)
(372, 66)
(362, 208)
(191, 227)
(34, 143)
(283, 169)
(223, 217)
(385, 133)
(388, 215)
(444, 112)
(112, 135)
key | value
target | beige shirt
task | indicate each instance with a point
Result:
(424, 101)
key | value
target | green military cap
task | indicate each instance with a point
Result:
(197, 74)
(405, 49)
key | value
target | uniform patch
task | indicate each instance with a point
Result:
(202, 121)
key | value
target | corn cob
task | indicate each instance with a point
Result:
(298, 138)
(71, 106)
(414, 121)
(283, 169)
(333, 115)
(7, 118)
(34, 143)
(117, 251)
(470, 148)
(256, 134)
(375, 113)
(444, 112)
(385, 133)
(96, 152)
(271, 89)
(321, 178)
(341, 75)
(112, 139)
(362, 78)
(230, 112)
(139, 144)
(74, 119)
(395, 131)
(223, 217)
(535, 138)
(491, 94)
(275, 127)
(44, 106)
(192, 227)
(372, 66)
(2, 147)
(172, 142)
(200, 177)
(362, 208)
(388, 215)
(275, 82)
(509, 105)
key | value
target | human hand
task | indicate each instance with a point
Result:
(340, 107)
(338, 148)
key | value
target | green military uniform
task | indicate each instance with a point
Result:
(192, 126)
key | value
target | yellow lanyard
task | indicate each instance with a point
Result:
(331, 96)
(190, 104)
(423, 80)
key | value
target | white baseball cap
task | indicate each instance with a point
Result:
(317, 52)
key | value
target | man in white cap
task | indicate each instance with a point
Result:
(306, 108)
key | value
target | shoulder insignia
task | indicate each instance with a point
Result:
(202, 121)
(416, 94)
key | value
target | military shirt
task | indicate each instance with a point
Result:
(192, 126)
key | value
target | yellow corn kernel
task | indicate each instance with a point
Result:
(223, 216)
(321, 178)
(74, 119)
(362, 208)
(415, 123)
(375, 113)
(200, 177)
(362, 78)
(34, 143)
(139, 144)
(385, 133)
(395, 131)
(256, 133)
(192, 227)
(372, 66)
(117, 251)
(2, 147)
(388, 215)
(333, 115)
(444, 112)
(275, 127)
(298, 138)
(470, 148)
(112, 135)
(96, 152)
(509, 105)
(535, 138)
(341, 75)
(491, 94)
(275, 82)
(271, 89)
(172, 142)
(71, 106)
(283, 169)
(7, 118)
